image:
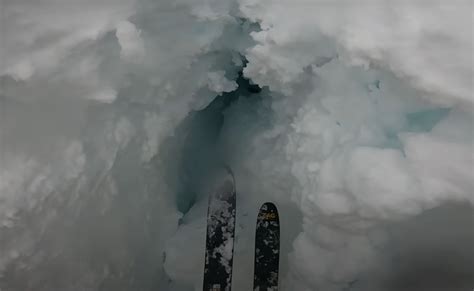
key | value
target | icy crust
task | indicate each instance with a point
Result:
(220, 234)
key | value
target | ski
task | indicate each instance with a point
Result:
(220, 235)
(267, 249)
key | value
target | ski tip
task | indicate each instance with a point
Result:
(268, 211)
(269, 206)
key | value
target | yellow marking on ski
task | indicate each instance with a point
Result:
(269, 216)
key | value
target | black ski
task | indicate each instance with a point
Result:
(220, 235)
(267, 249)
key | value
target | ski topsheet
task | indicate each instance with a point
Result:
(267, 249)
(220, 235)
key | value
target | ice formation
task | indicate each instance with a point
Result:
(356, 118)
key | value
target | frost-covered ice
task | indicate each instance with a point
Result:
(362, 134)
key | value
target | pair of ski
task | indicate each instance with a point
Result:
(220, 241)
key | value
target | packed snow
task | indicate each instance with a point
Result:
(355, 117)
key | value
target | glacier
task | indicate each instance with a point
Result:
(355, 118)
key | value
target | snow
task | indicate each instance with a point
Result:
(362, 134)
(424, 43)
(219, 83)
(132, 46)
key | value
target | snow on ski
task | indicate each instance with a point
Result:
(220, 235)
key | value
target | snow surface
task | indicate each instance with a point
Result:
(363, 135)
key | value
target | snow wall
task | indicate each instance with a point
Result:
(355, 117)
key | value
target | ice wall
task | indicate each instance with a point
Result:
(89, 92)
(362, 135)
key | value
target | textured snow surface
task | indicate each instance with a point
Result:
(363, 136)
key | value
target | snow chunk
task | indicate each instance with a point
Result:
(218, 83)
(132, 45)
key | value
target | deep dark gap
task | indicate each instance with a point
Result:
(195, 141)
